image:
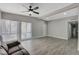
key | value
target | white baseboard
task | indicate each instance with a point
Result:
(38, 37)
(33, 38)
(44, 36)
(58, 37)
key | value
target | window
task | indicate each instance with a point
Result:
(13, 30)
(26, 30)
(8, 30)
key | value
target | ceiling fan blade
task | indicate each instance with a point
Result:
(35, 12)
(35, 8)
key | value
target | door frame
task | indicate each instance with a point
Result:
(69, 30)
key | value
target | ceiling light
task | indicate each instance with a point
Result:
(30, 13)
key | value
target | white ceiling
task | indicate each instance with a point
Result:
(44, 8)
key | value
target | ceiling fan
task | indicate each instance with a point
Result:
(31, 9)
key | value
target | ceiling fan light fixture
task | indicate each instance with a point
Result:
(31, 10)
(30, 13)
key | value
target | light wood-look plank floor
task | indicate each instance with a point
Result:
(51, 46)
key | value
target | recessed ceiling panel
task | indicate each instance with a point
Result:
(44, 8)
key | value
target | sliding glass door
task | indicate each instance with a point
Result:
(26, 30)
(8, 30)
(13, 30)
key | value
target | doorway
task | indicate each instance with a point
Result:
(73, 30)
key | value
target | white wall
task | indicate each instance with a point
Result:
(39, 29)
(59, 28)
(38, 26)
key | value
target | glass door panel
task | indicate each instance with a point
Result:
(26, 30)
